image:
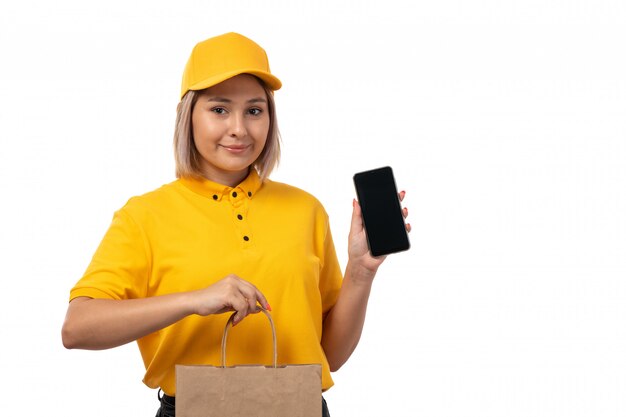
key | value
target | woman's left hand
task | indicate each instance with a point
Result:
(358, 251)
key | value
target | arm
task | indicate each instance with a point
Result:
(103, 323)
(344, 323)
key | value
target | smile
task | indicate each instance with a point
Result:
(236, 148)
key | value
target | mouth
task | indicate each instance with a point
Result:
(235, 148)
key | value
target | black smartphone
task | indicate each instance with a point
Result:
(382, 214)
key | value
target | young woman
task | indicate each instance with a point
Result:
(221, 238)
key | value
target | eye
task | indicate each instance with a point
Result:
(218, 110)
(255, 111)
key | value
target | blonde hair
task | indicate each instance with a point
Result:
(187, 156)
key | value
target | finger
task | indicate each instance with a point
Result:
(251, 296)
(241, 307)
(405, 212)
(408, 227)
(250, 304)
(250, 309)
(257, 309)
(262, 300)
(356, 224)
(401, 195)
(254, 296)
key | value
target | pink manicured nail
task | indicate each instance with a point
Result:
(268, 307)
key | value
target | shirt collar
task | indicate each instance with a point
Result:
(248, 187)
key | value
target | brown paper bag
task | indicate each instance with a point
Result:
(249, 390)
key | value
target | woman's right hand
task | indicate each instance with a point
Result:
(229, 294)
(104, 323)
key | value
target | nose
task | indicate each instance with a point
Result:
(237, 128)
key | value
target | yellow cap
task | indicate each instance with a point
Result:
(222, 57)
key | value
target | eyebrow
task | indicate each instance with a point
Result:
(226, 100)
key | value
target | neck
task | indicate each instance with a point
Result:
(226, 178)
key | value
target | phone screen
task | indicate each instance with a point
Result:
(382, 214)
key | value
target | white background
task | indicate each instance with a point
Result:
(504, 121)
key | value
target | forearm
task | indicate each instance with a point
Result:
(344, 323)
(102, 323)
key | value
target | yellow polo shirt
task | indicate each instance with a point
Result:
(191, 233)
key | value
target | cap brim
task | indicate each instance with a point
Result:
(272, 82)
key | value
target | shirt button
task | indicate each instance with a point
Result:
(234, 194)
(240, 217)
(249, 193)
(214, 196)
(246, 238)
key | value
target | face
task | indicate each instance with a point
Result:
(230, 123)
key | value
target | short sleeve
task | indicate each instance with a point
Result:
(120, 267)
(330, 275)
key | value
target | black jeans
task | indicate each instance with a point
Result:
(168, 406)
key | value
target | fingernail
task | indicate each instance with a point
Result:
(268, 307)
(353, 202)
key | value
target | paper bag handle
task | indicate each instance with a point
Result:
(229, 325)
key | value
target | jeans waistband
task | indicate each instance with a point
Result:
(169, 400)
